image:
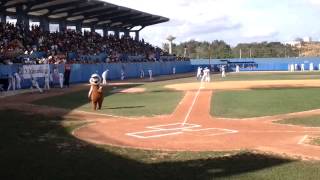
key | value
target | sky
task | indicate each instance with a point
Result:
(234, 21)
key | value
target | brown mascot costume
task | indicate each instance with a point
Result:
(96, 92)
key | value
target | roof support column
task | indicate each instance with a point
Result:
(3, 18)
(79, 27)
(22, 18)
(44, 24)
(105, 32)
(126, 33)
(137, 38)
(117, 33)
(93, 29)
(62, 26)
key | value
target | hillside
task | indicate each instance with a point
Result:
(311, 49)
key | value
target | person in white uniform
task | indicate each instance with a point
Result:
(150, 74)
(61, 80)
(122, 74)
(199, 73)
(141, 73)
(174, 70)
(34, 84)
(237, 68)
(12, 83)
(18, 80)
(205, 75)
(311, 67)
(292, 68)
(208, 79)
(223, 71)
(47, 80)
(302, 67)
(105, 76)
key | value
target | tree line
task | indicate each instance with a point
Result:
(219, 49)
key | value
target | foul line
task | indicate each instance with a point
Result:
(303, 139)
(191, 107)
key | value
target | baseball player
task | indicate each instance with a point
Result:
(207, 79)
(105, 76)
(141, 73)
(34, 84)
(199, 73)
(292, 68)
(18, 80)
(174, 70)
(223, 72)
(12, 83)
(61, 80)
(311, 67)
(205, 75)
(51, 79)
(302, 67)
(122, 74)
(150, 74)
(47, 81)
(237, 68)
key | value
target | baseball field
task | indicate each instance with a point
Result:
(259, 125)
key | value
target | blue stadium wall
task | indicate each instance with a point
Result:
(81, 72)
(261, 64)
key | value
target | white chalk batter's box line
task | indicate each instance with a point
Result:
(176, 128)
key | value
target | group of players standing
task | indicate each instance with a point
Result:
(50, 80)
(203, 74)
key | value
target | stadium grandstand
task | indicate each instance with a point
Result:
(77, 31)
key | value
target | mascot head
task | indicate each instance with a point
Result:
(95, 79)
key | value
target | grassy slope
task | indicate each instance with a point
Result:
(38, 147)
(254, 103)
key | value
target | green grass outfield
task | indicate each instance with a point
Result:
(41, 147)
(157, 100)
(264, 102)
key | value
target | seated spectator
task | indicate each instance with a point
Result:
(38, 46)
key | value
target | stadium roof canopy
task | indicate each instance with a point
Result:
(88, 12)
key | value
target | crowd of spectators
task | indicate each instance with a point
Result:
(18, 44)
